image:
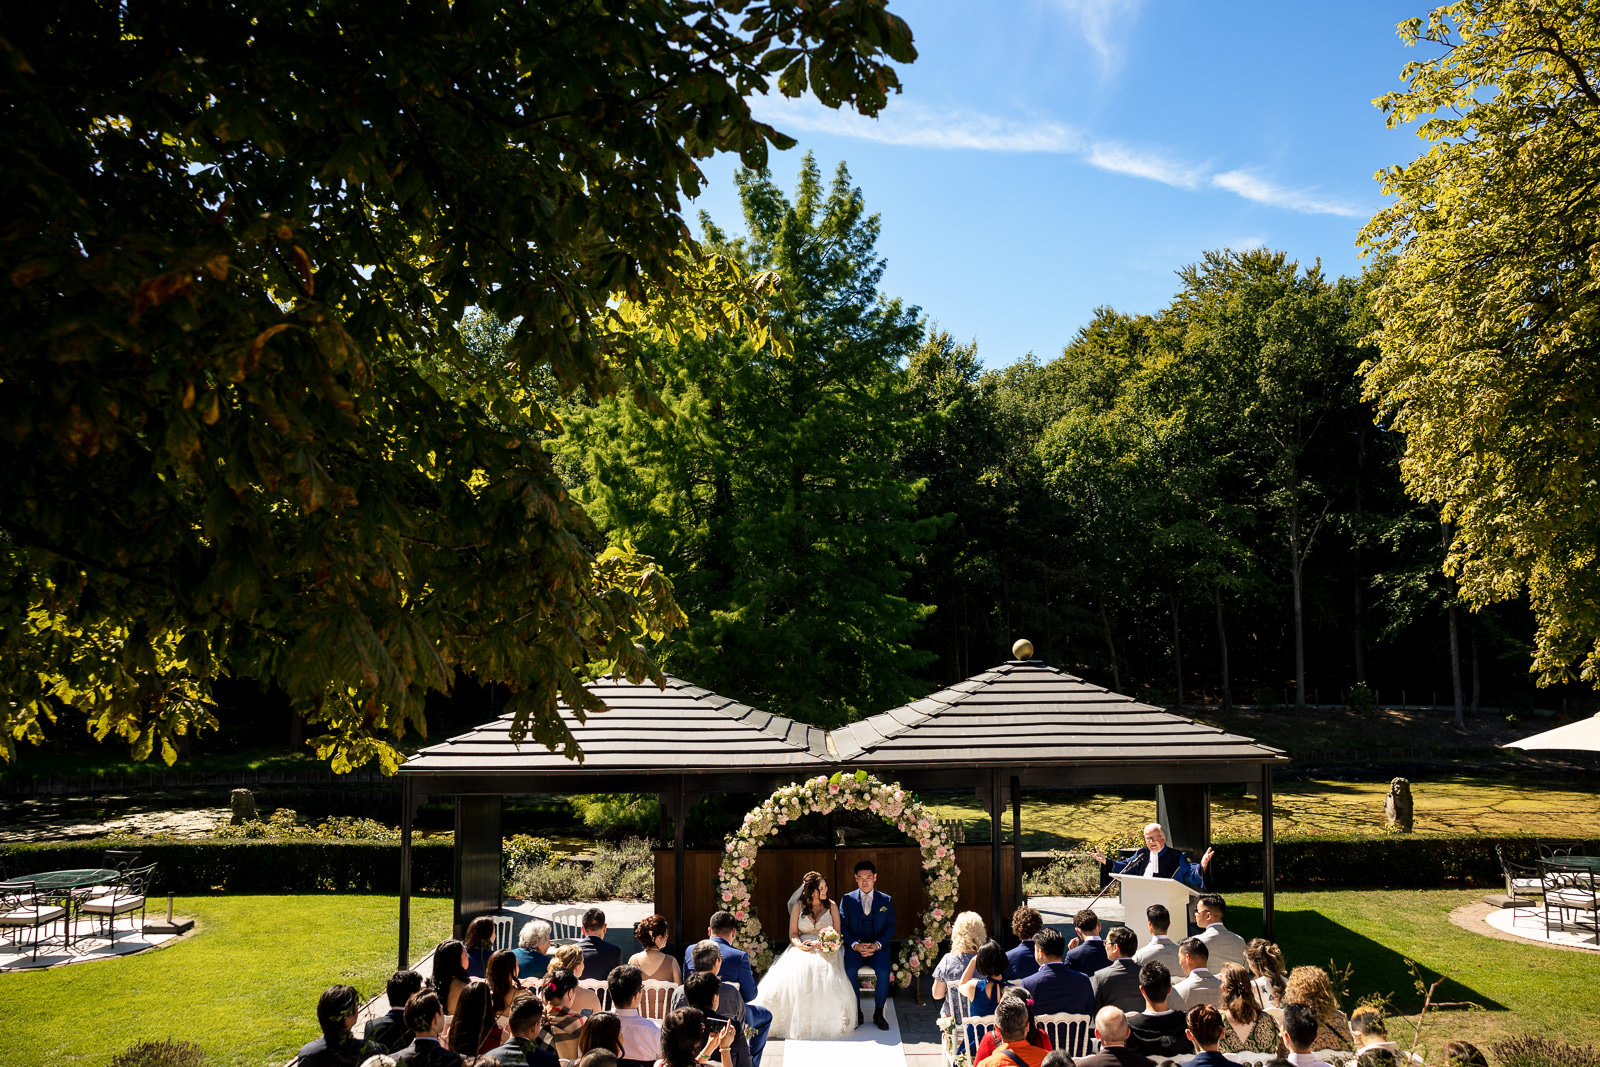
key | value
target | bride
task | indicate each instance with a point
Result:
(806, 989)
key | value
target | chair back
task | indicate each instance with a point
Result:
(502, 932)
(134, 883)
(655, 998)
(14, 896)
(973, 1028)
(1070, 1032)
(598, 987)
(118, 860)
(566, 926)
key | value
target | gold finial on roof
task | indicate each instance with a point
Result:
(1023, 649)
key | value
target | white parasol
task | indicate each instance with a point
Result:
(1583, 735)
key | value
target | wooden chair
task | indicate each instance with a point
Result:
(655, 999)
(21, 909)
(126, 897)
(503, 932)
(1070, 1032)
(566, 926)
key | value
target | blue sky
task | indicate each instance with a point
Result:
(1050, 156)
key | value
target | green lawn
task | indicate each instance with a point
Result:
(1523, 988)
(243, 986)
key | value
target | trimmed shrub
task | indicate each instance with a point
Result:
(1359, 699)
(284, 824)
(167, 1053)
(1352, 861)
(1530, 1051)
(1064, 876)
(625, 871)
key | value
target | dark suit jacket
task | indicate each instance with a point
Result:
(1210, 1059)
(599, 957)
(350, 1052)
(521, 1050)
(1118, 983)
(1020, 963)
(1057, 987)
(1159, 1035)
(1170, 863)
(735, 968)
(1120, 1056)
(1088, 957)
(427, 1052)
(390, 1030)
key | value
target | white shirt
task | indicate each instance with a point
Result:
(641, 1037)
(1304, 1059)
(1152, 862)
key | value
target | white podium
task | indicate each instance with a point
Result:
(1140, 891)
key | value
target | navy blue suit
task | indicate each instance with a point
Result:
(1057, 987)
(1020, 962)
(863, 929)
(1089, 957)
(600, 957)
(736, 971)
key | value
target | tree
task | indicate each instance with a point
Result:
(243, 433)
(1490, 308)
(768, 487)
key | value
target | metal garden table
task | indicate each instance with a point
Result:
(60, 886)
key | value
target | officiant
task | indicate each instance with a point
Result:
(1159, 860)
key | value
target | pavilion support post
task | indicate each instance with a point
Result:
(1267, 873)
(1016, 841)
(480, 862)
(996, 806)
(680, 815)
(406, 809)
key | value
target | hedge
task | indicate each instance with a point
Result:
(1398, 860)
(253, 866)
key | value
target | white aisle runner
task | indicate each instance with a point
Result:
(865, 1046)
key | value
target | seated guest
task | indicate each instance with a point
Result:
(1025, 922)
(602, 1031)
(389, 1031)
(967, 935)
(1310, 986)
(1036, 1034)
(570, 958)
(1056, 987)
(1463, 1054)
(450, 973)
(700, 991)
(597, 1058)
(686, 1041)
(641, 1037)
(559, 1033)
(425, 1019)
(1011, 1021)
(705, 957)
(479, 941)
(1160, 1029)
(1111, 1027)
(1118, 981)
(1160, 946)
(599, 955)
(526, 1018)
(1086, 953)
(501, 976)
(337, 1009)
(1373, 1047)
(651, 959)
(1205, 1031)
(1245, 1026)
(985, 976)
(1199, 985)
(1223, 945)
(533, 951)
(1269, 971)
(473, 1030)
(1300, 1028)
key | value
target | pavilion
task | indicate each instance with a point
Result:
(1020, 726)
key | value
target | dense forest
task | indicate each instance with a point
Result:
(1195, 498)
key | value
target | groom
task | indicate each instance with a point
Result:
(868, 920)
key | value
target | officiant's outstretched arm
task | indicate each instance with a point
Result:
(867, 918)
(1160, 860)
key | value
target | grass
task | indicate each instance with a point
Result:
(243, 986)
(1487, 804)
(1523, 988)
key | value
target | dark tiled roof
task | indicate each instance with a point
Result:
(676, 729)
(1024, 712)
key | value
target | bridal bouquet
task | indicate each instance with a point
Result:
(828, 941)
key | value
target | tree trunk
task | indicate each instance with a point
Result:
(1477, 691)
(1222, 649)
(1455, 638)
(1116, 674)
(1177, 647)
(297, 731)
(1299, 613)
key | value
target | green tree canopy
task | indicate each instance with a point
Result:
(243, 433)
(768, 489)
(1490, 307)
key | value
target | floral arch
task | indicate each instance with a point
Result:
(853, 792)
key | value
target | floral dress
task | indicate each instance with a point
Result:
(1263, 1037)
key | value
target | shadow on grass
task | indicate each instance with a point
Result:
(1376, 967)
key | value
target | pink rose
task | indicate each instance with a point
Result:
(940, 851)
(922, 824)
(938, 913)
(833, 787)
(744, 862)
(727, 896)
(783, 820)
(740, 915)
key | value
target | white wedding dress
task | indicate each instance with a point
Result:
(807, 992)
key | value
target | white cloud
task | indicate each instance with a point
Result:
(1101, 22)
(1247, 185)
(916, 126)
